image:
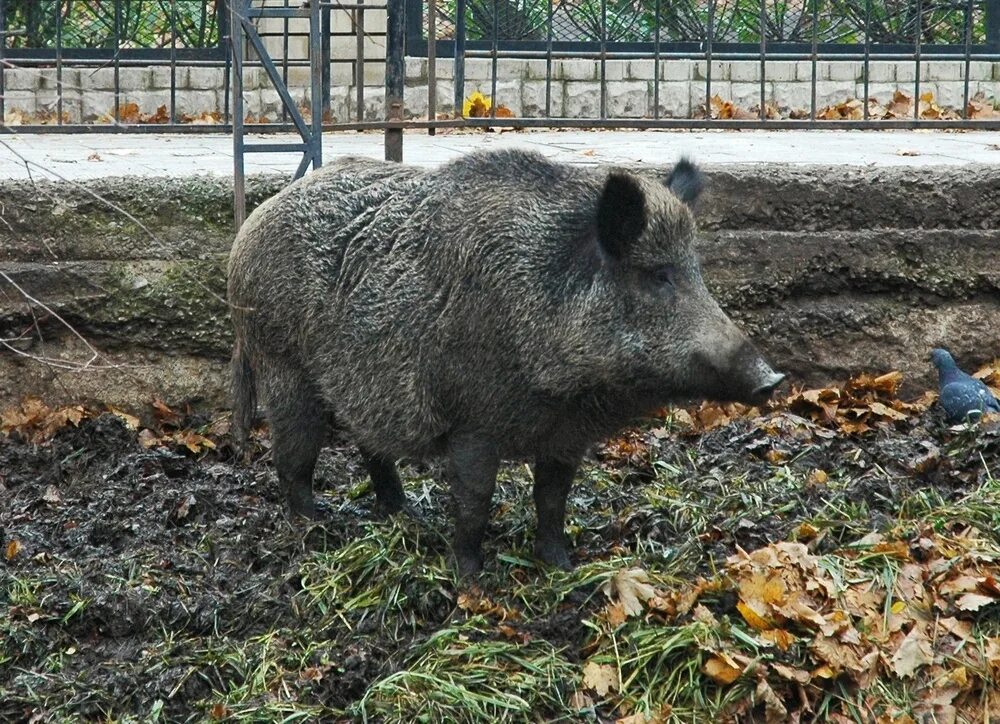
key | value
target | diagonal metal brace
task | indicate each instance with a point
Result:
(312, 149)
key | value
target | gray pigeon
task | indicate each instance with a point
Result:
(961, 395)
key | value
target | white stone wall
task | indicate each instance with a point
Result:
(88, 94)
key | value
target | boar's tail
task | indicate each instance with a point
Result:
(244, 395)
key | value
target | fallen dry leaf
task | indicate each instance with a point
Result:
(974, 601)
(720, 671)
(580, 700)
(915, 651)
(792, 674)
(774, 708)
(602, 678)
(13, 548)
(632, 588)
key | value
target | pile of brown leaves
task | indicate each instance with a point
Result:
(36, 422)
(901, 106)
(51, 117)
(727, 110)
(882, 610)
(861, 404)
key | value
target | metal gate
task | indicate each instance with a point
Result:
(459, 47)
(921, 34)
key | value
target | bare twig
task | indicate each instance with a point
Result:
(61, 364)
(28, 163)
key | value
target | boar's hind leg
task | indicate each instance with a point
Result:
(552, 482)
(298, 429)
(385, 479)
(473, 463)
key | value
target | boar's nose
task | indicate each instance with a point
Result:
(768, 385)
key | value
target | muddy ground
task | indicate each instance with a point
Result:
(162, 584)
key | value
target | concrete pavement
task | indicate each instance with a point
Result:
(83, 156)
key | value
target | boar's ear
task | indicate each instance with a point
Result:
(686, 181)
(621, 214)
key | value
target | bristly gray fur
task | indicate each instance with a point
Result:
(476, 306)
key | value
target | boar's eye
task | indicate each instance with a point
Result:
(665, 275)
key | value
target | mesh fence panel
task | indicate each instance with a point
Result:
(98, 23)
(734, 21)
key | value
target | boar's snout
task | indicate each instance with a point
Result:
(769, 383)
(752, 379)
(741, 375)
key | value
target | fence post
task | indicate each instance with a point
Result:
(316, 64)
(236, 8)
(395, 69)
(993, 25)
(459, 74)
(3, 63)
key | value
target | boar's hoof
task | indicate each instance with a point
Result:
(554, 554)
(383, 509)
(307, 509)
(470, 564)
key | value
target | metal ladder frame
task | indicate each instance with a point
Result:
(243, 30)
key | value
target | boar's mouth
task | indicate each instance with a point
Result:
(751, 384)
(766, 388)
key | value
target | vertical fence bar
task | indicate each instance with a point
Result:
(286, 23)
(656, 61)
(992, 10)
(968, 60)
(459, 56)
(916, 60)
(173, 59)
(493, 61)
(316, 83)
(59, 67)
(236, 52)
(359, 61)
(604, 59)
(117, 51)
(868, 53)
(432, 35)
(813, 78)
(3, 61)
(763, 62)
(326, 59)
(224, 29)
(708, 60)
(548, 63)
(395, 75)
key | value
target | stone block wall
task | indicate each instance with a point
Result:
(574, 90)
(828, 276)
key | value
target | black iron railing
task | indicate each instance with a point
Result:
(77, 50)
(92, 29)
(686, 26)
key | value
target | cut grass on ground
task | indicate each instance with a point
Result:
(765, 569)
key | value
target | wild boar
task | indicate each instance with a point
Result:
(499, 306)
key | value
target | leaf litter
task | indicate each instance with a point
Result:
(833, 556)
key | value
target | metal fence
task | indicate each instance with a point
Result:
(73, 48)
(577, 24)
(715, 31)
(69, 43)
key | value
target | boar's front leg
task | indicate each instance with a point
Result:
(552, 482)
(474, 461)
